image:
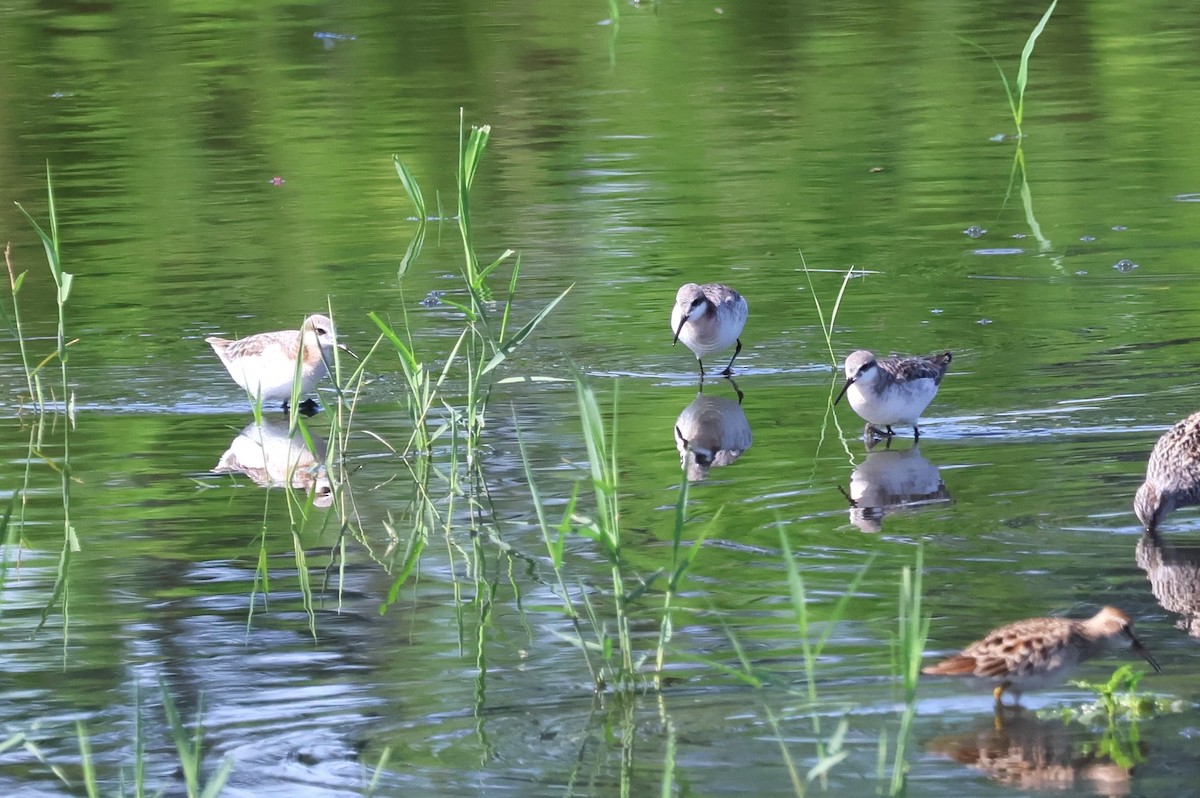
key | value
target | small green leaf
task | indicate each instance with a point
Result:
(518, 337)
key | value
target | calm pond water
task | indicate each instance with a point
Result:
(229, 172)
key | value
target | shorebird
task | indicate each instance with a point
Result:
(892, 390)
(265, 365)
(709, 318)
(1039, 652)
(1172, 475)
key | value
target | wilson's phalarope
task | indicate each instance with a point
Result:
(1172, 474)
(709, 318)
(1039, 652)
(892, 390)
(265, 364)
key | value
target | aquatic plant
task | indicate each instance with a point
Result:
(1118, 699)
(12, 322)
(907, 652)
(485, 342)
(1016, 105)
(188, 749)
(827, 327)
(1016, 100)
(63, 281)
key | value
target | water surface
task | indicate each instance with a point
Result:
(688, 143)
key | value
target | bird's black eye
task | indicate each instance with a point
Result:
(322, 331)
(698, 301)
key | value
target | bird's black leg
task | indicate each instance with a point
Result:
(890, 433)
(729, 369)
(701, 362)
(738, 390)
(916, 433)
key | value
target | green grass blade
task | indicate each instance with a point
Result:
(412, 253)
(520, 335)
(410, 187)
(491, 267)
(1023, 71)
(1012, 100)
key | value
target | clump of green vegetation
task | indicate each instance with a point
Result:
(39, 445)
(1115, 715)
(620, 665)
(829, 745)
(1119, 699)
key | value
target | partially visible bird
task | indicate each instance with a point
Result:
(892, 390)
(265, 365)
(709, 318)
(1172, 475)
(1040, 652)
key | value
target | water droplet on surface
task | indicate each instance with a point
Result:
(1018, 236)
(1087, 238)
(1125, 265)
(984, 321)
(1120, 228)
(974, 231)
(1081, 272)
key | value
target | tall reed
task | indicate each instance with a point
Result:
(486, 341)
(911, 635)
(63, 281)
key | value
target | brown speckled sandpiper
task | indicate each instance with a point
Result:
(1172, 475)
(1039, 652)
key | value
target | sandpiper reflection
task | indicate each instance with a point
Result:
(1174, 574)
(890, 480)
(1020, 750)
(272, 458)
(711, 431)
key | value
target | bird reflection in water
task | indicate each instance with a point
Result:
(272, 458)
(1174, 574)
(1020, 750)
(890, 480)
(711, 431)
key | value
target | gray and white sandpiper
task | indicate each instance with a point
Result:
(1040, 652)
(265, 365)
(709, 318)
(1172, 474)
(892, 390)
